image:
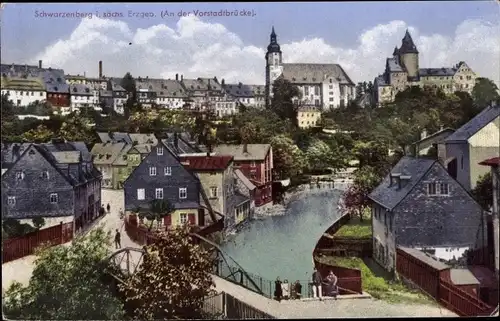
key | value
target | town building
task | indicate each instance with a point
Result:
(419, 205)
(429, 143)
(142, 142)
(216, 175)
(308, 116)
(146, 92)
(115, 160)
(472, 143)
(55, 181)
(246, 95)
(325, 86)
(403, 71)
(23, 91)
(105, 98)
(82, 97)
(160, 177)
(171, 94)
(120, 97)
(203, 93)
(255, 161)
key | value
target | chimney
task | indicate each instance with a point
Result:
(223, 82)
(176, 141)
(395, 177)
(100, 69)
(177, 77)
(85, 74)
(245, 148)
(16, 152)
(182, 77)
(423, 134)
(40, 64)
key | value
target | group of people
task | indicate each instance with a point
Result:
(327, 287)
(284, 291)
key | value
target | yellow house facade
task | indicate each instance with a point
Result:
(308, 117)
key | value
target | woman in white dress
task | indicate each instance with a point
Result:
(285, 287)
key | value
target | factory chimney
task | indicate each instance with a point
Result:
(40, 64)
(100, 69)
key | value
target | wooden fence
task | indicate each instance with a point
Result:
(18, 247)
(435, 283)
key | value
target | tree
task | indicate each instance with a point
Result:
(41, 134)
(355, 198)
(158, 209)
(485, 92)
(483, 192)
(288, 159)
(77, 128)
(173, 280)
(282, 103)
(321, 157)
(67, 284)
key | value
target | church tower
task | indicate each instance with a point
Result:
(274, 65)
(408, 56)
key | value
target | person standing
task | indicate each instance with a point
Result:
(298, 290)
(278, 291)
(285, 286)
(317, 280)
(108, 208)
(118, 240)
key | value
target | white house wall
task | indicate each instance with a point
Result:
(26, 98)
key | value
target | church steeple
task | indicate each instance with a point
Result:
(407, 45)
(273, 44)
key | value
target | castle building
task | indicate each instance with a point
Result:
(402, 71)
(323, 86)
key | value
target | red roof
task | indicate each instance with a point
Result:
(206, 163)
(495, 161)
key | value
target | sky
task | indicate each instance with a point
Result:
(156, 40)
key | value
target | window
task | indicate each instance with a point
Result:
(141, 194)
(19, 102)
(316, 90)
(330, 87)
(431, 188)
(213, 191)
(53, 198)
(159, 193)
(41, 94)
(331, 98)
(159, 151)
(168, 171)
(183, 218)
(331, 81)
(152, 171)
(183, 193)
(443, 189)
(316, 102)
(252, 164)
(11, 200)
(19, 175)
(306, 90)
(32, 93)
(45, 175)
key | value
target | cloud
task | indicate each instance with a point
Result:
(196, 48)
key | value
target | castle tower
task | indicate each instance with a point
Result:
(274, 66)
(408, 55)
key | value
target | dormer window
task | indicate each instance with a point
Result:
(124, 157)
(159, 151)
(74, 89)
(20, 175)
(44, 175)
(87, 90)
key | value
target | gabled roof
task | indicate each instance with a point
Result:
(315, 73)
(254, 151)
(439, 132)
(206, 163)
(468, 130)
(143, 138)
(106, 153)
(495, 161)
(424, 257)
(80, 89)
(407, 45)
(391, 196)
